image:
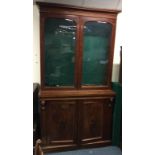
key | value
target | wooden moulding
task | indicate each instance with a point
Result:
(76, 93)
(48, 149)
(56, 5)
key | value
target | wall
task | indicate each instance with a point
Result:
(118, 43)
(36, 45)
(36, 41)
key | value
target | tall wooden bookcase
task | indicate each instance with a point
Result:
(76, 99)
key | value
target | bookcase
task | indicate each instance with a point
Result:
(76, 99)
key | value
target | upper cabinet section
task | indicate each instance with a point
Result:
(77, 47)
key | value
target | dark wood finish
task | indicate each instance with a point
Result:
(55, 5)
(79, 116)
(69, 123)
(92, 120)
(61, 123)
(38, 149)
(96, 119)
(75, 93)
(42, 121)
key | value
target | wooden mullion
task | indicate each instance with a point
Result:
(77, 55)
(80, 52)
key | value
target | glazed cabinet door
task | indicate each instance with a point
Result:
(96, 122)
(58, 51)
(59, 122)
(97, 34)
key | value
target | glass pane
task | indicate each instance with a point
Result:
(97, 37)
(60, 35)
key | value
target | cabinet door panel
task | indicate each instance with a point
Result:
(92, 120)
(96, 120)
(61, 124)
(107, 120)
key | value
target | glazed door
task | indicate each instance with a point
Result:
(59, 34)
(60, 123)
(96, 52)
(96, 122)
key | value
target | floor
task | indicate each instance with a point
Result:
(110, 150)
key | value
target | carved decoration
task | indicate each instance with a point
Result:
(43, 103)
(112, 99)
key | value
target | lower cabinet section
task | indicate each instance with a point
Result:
(76, 123)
